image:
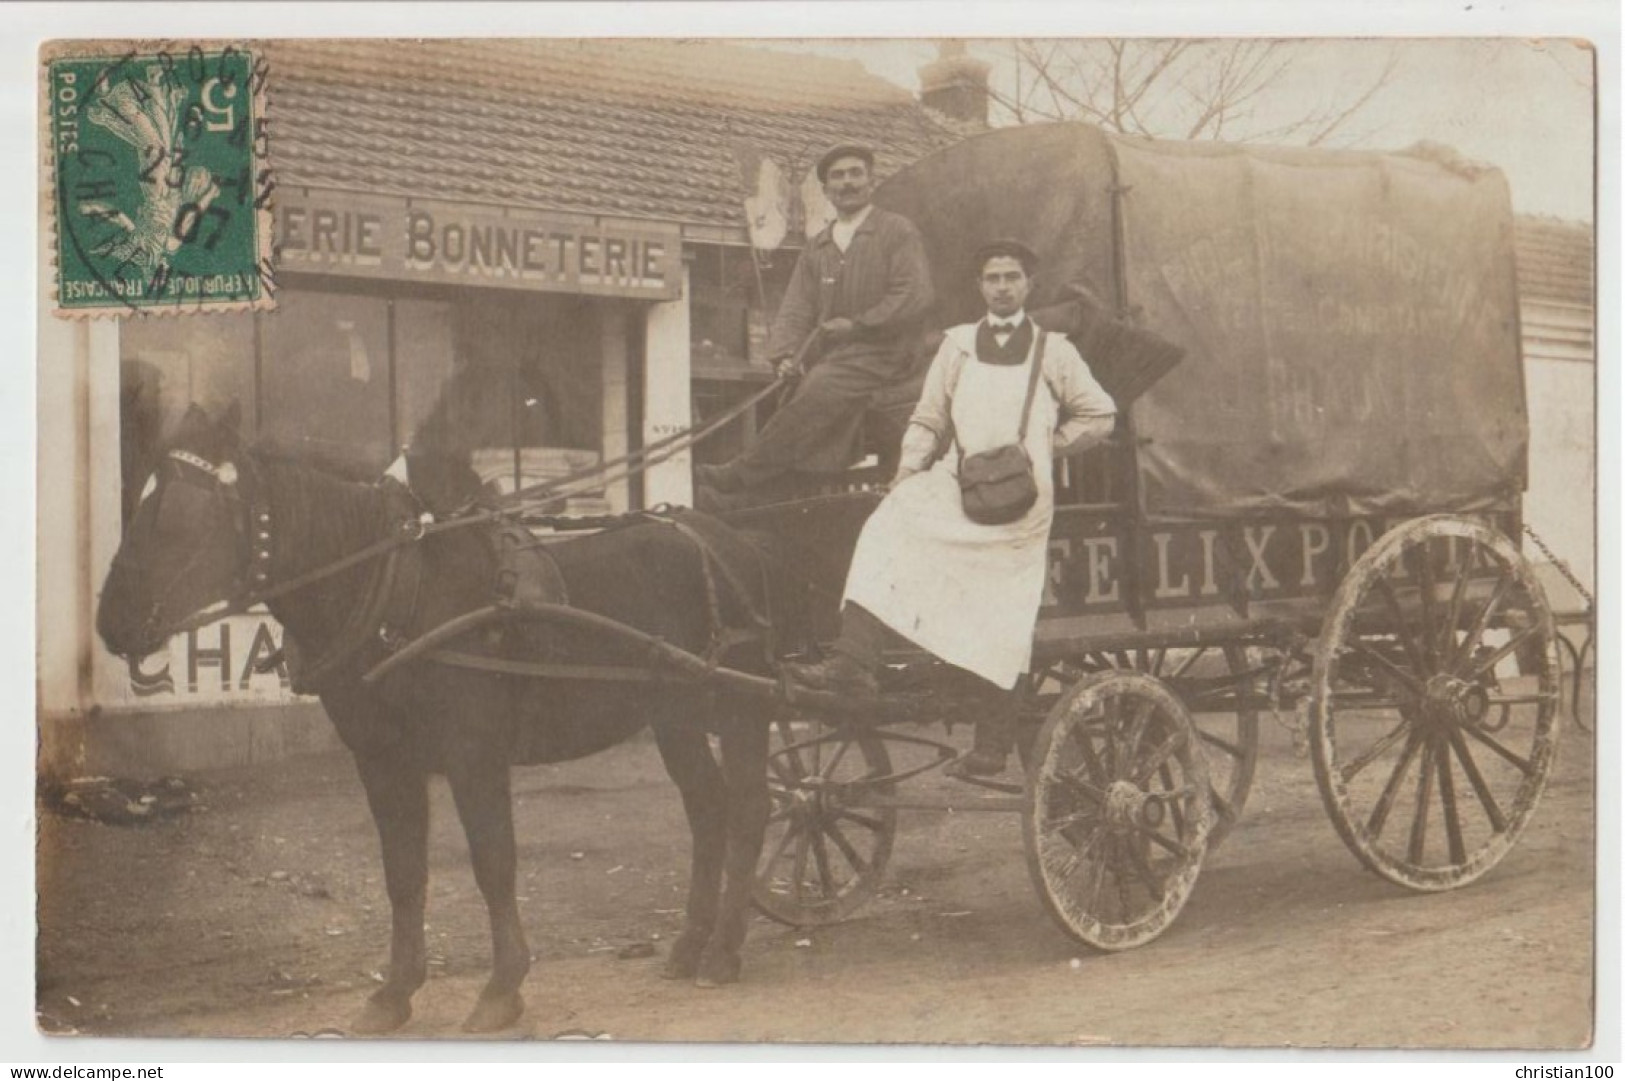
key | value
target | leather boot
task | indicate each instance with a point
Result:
(839, 673)
(995, 735)
(853, 664)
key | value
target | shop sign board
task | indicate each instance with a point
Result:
(216, 664)
(1094, 564)
(419, 241)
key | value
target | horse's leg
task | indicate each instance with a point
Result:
(399, 797)
(482, 792)
(688, 760)
(744, 768)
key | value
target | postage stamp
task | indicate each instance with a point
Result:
(159, 182)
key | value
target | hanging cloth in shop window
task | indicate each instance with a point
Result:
(360, 366)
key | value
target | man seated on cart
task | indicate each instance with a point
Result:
(967, 592)
(863, 286)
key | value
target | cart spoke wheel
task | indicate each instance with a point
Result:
(1230, 742)
(1118, 809)
(1435, 702)
(1229, 739)
(1229, 736)
(826, 848)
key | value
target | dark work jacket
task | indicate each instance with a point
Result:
(881, 282)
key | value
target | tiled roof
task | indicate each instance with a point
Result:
(627, 128)
(1554, 260)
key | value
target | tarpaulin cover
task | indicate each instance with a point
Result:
(1047, 185)
(1350, 318)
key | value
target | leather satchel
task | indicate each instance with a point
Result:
(997, 486)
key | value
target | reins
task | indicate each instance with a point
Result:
(412, 530)
(656, 452)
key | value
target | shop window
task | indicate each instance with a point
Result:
(509, 384)
(166, 365)
(424, 356)
(733, 292)
(324, 379)
(529, 387)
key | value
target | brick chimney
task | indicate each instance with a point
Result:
(955, 84)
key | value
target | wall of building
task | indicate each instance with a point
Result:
(666, 404)
(1557, 318)
(314, 377)
(64, 500)
(95, 713)
(1560, 504)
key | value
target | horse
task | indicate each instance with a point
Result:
(222, 525)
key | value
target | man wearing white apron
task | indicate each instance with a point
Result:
(966, 592)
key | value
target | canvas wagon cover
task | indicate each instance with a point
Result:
(1350, 318)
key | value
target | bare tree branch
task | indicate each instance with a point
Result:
(1117, 84)
(1063, 102)
(1193, 89)
(1390, 65)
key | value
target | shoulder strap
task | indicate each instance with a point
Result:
(1032, 385)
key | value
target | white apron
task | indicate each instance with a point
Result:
(966, 592)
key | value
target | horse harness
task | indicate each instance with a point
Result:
(526, 577)
(527, 581)
(385, 614)
(388, 603)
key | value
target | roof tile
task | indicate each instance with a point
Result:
(632, 127)
(1554, 259)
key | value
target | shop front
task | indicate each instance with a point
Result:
(538, 254)
(539, 343)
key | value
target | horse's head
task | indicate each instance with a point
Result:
(188, 546)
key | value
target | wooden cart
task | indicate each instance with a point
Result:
(1313, 516)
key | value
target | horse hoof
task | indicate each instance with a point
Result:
(684, 961)
(495, 1012)
(680, 965)
(380, 1016)
(716, 970)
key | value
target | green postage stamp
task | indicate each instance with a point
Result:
(159, 186)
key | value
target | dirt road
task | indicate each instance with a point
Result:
(262, 913)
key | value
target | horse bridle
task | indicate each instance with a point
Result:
(249, 520)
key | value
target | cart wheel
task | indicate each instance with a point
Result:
(825, 850)
(1118, 810)
(1230, 745)
(1229, 736)
(1435, 702)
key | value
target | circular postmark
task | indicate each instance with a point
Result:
(161, 187)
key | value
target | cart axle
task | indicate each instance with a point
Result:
(1450, 702)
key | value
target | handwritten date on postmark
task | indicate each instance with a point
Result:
(160, 188)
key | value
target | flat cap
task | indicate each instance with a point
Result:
(845, 150)
(1015, 249)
